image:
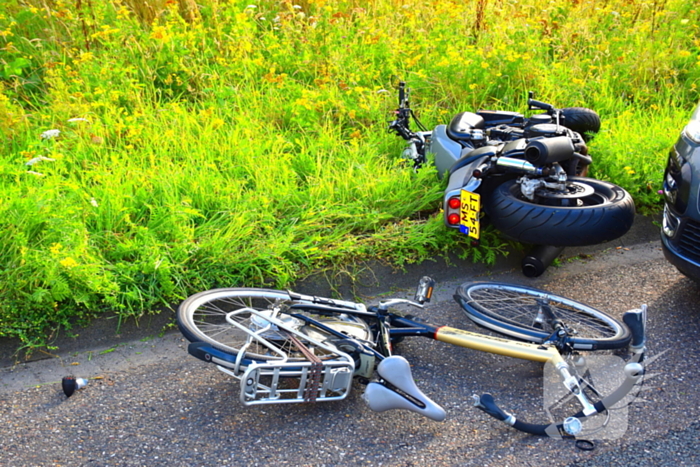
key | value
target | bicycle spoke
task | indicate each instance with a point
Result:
(529, 313)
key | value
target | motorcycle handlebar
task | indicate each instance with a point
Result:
(570, 427)
(535, 104)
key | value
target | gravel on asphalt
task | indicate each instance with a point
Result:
(149, 403)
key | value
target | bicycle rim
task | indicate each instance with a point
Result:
(203, 318)
(513, 310)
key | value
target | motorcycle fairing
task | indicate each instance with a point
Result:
(447, 151)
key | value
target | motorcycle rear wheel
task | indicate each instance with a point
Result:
(589, 212)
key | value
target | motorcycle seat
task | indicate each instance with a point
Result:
(462, 124)
(500, 117)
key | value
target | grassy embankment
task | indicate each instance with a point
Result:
(220, 143)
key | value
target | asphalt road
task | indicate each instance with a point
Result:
(149, 403)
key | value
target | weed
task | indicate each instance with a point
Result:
(204, 144)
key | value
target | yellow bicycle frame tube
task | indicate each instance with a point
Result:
(497, 345)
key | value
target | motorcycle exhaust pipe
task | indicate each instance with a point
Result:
(539, 259)
(520, 165)
(549, 150)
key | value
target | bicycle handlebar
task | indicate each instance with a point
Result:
(633, 372)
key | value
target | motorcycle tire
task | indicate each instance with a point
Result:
(582, 120)
(589, 212)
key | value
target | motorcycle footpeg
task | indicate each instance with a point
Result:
(401, 391)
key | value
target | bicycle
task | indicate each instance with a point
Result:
(286, 347)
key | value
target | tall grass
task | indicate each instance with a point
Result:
(221, 143)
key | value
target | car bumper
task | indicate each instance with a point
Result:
(685, 265)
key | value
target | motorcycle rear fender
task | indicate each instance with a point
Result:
(447, 151)
(461, 179)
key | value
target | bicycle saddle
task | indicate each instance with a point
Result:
(399, 391)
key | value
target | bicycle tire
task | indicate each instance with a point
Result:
(512, 310)
(202, 318)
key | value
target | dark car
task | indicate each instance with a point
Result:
(680, 233)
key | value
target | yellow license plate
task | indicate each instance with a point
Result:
(469, 213)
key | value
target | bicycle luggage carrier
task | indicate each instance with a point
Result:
(279, 380)
(293, 382)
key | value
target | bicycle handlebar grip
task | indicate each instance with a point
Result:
(488, 405)
(636, 321)
(633, 371)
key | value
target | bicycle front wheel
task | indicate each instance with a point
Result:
(240, 320)
(516, 311)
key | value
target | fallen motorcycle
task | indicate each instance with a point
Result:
(526, 175)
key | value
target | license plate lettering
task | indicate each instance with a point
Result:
(470, 207)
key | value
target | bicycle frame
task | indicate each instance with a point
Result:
(331, 378)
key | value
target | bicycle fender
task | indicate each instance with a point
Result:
(210, 354)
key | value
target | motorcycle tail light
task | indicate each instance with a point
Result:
(452, 211)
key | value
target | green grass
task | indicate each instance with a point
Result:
(220, 144)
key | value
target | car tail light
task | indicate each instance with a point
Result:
(453, 219)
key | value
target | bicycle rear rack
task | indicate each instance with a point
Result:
(279, 380)
(292, 382)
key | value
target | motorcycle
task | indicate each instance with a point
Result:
(525, 175)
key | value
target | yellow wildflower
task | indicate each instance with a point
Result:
(68, 262)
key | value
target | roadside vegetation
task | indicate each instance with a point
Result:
(220, 143)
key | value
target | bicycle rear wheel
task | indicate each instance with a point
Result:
(227, 319)
(516, 311)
